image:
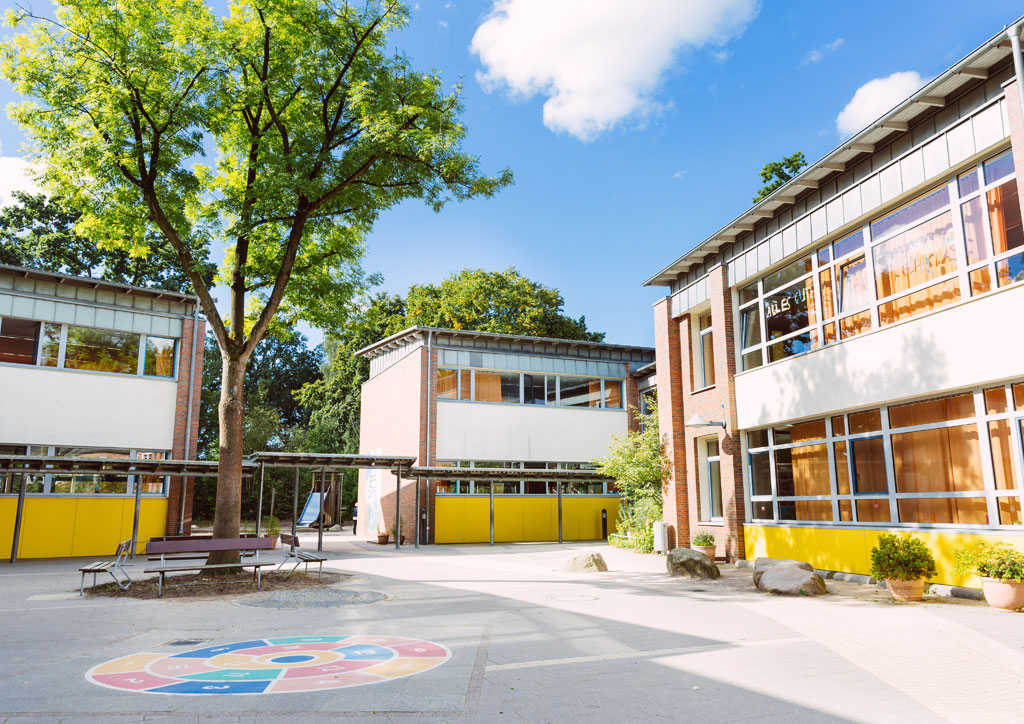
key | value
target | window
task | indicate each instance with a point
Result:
(613, 394)
(580, 392)
(159, 356)
(447, 384)
(917, 463)
(496, 387)
(101, 350)
(518, 487)
(710, 481)
(528, 388)
(93, 484)
(707, 352)
(19, 339)
(533, 390)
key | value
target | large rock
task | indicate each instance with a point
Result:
(585, 562)
(763, 564)
(790, 580)
(688, 563)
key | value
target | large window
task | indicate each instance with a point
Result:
(707, 352)
(72, 347)
(919, 463)
(710, 492)
(530, 389)
(961, 239)
(455, 486)
(98, 484)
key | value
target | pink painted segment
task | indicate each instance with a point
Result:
(289, 648)
(179, 667)
(133, 680)
(389, 641)
(333, 669)
(421, 648)
(351, 678)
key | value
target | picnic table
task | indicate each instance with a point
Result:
(206, 545)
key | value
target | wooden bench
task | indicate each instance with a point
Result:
(208, 545)
(123, 549)
(194, 556)
(300, 557)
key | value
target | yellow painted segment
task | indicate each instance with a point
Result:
(57, 527)
(463, 519)
(849, 549)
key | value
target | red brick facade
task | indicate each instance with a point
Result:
(680, 398)
(177, 486)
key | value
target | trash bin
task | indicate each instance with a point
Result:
(660, 536)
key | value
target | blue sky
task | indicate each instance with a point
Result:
(660, 115)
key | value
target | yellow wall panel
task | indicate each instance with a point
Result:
(48, 528)
(448, 516)
(508, 519)
(99, 523)
(8, 510)
(152, 521)
(849, 549)
(477, 519)
(540, 519)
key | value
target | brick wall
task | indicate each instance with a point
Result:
(183, 486)
(668, 352)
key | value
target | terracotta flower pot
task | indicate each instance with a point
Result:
(1005, 595)
(905, 590)
(382, 539)
(709, 551)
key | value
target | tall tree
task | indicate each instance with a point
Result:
(316, 129)
(505, 302)
(39, 232)
(776, 173)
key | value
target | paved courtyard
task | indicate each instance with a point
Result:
(502, 635)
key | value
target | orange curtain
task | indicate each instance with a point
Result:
(488, 387)
(810, 472)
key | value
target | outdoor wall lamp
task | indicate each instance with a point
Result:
(699, 421)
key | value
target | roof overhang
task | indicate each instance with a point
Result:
(90, 283)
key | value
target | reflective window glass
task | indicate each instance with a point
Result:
(748, 293)
(102, 350)
(854, 285)
(762, 510)
(974, 230)
(945, 459)
(794, 345)
(998, 167)
(760, 473)
(873, 511)
(1004, 217)
(757, 438)
(787, 274)
(1001, 444)
(447, 384)
(613, 394)
(915, 256)
(855, 324)
(867, 421)
(19, 339)
(533, 389)
(941, 409)
(827, 306)
(924, 300)
(751, 327)
(752, 360)
(910, 213)
(849, 244)
(981, 281)
(967, 183)
(790, 309)
(842, 468)
(159, 356)
(869, 466)
(802, 470)
(580, 392)
(964, 511)
(50, 352)
(995, 401)
(1009, 510)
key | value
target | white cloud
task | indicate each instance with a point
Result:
(875, 98)
(443, 23)
(14, 176)
(818, 54)
(679, 174)
(597, 61)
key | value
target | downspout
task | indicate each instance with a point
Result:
(188, 415)
(1013, 33)
(430, 359)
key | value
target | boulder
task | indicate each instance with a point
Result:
(688, 563)
(584, 563)
(791, 580)
(336, 528)
(763, 564)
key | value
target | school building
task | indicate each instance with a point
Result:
(94, 369)
(464, 399)
(841, 358)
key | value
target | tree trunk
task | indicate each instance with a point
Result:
(228, 507)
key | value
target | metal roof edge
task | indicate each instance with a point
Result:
(30, 273)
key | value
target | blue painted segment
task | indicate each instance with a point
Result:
(365, 652)
(214, 650)
(307, 640)
(210, 687)
(291, 659)
(234, 675)
(310, 510)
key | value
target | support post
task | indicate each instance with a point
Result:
(320, 528)
(417, 521)
(398, 508)
(17, 518)
(259, 503)
(558, 484)
(491, 488)
(138, 509)
(295, 508)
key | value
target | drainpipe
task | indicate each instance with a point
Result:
(1013, 33)
(188, 416)
(430, 358)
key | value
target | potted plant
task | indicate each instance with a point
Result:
(903, 562)
(271, 528)
(382, 534)
(1001, 567)
(705, 543)
(394, 533)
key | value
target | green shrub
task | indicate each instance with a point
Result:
(271, 525)
(703, 539)
(991, 560)
(901, 557)
(635, 522)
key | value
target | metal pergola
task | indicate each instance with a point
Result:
(559, 477)
(26, 465)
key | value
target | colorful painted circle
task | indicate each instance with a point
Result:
(273, 665)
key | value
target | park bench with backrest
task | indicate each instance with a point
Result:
(300, 556)
(123, 549)
(207, 545)
(193, 556)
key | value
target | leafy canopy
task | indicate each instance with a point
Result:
(776, 173)
(636, 460)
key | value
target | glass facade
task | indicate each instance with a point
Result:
(954, 460)
(529, 389)
(61, 484)
(960, 239)
(519, 487)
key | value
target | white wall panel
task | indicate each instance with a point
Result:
(967, 345)
(468, 431)
(76, 408)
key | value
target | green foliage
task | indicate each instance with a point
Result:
(38, 232)
(703, 539)
(636, 524)
(777, 173)
(991, 560)
(904, 558)
(271, 525)
(636, 460)
(501, 302)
